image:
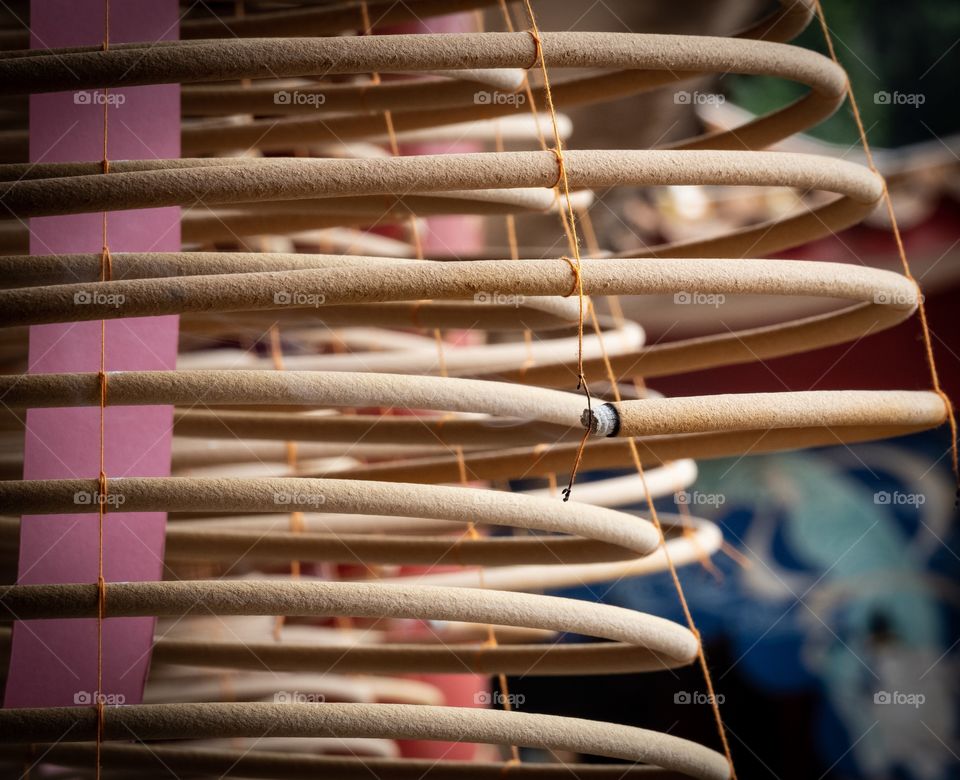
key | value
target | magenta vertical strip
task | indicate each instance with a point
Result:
(54, 663)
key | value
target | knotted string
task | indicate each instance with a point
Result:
(572, 235)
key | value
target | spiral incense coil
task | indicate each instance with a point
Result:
(280, 242)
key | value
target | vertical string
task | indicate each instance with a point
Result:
(438, 337)
(654, 516)
(567, 215)
(690, 534)
(472, 533)
(510, 224)
(510, 221)
(616, 311)
(296, 517)
(635, 455)
(106, 275)
(562, 183)
(593, 247)
(441, 354)
(901, 250)
(391, 133)
(412, 225)
(527, 89)
(491, 640)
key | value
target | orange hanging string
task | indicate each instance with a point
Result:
(296, 518)
(708, 679)
(690, 534)
(472, 533)
(671, 567)
(391, 133)
(511, 228)
(567, 216)
(891, 214)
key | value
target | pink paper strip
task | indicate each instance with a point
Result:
(54, 663)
